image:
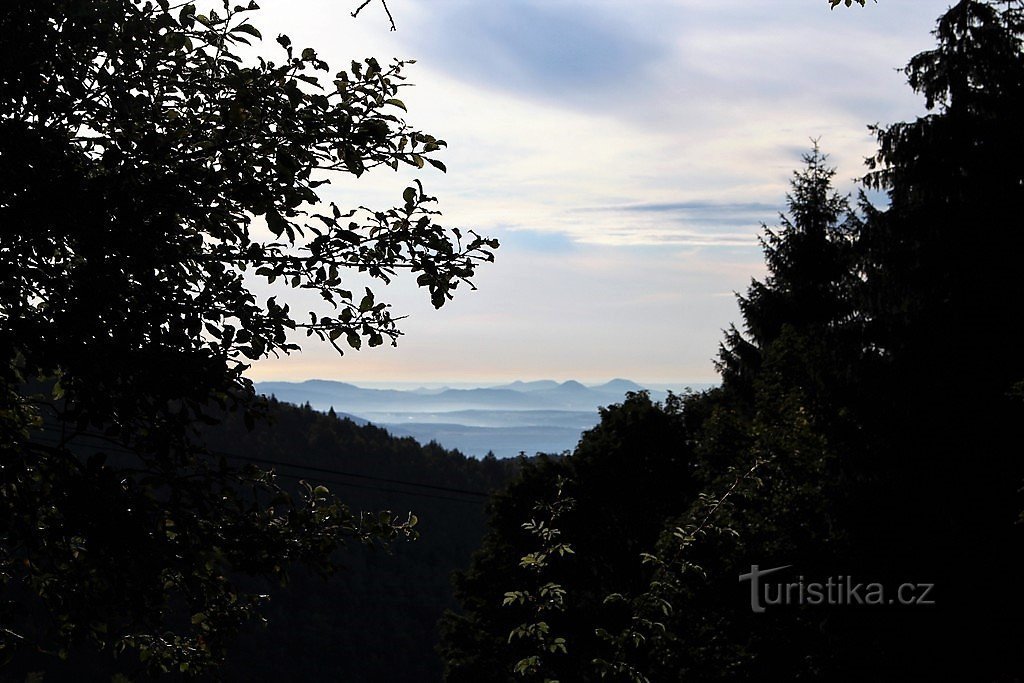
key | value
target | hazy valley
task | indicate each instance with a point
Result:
(541, 416)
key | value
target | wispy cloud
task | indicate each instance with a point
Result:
(692, 223)
(548, 49)
(692, 207)
(678, 238)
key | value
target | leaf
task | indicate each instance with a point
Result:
(276, 223)
(247, 28)
(187, 12)
(349, 236)
(395, 102)
(367, 302)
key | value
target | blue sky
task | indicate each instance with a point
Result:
(625, 152)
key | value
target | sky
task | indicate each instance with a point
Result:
(624, 152)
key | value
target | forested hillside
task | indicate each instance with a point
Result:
(376, 619)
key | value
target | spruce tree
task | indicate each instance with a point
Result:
(943, 308)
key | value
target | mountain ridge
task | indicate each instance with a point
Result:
(521, 416)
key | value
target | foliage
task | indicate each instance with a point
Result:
(545, 597)
(152, 175)
(376, 618)
(605, 525)
(810, 285)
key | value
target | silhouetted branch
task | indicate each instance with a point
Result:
(383, 2)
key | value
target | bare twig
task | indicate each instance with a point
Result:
(383, 2)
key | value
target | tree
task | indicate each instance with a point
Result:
(944, 307)
(954, 186)
(626, 476)
(907, 396)
(810, 288)
(150, 175)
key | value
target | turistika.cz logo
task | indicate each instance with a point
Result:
(836, 590)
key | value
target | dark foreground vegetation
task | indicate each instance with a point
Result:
(154, 173)
(375, 617)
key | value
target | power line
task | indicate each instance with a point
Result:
(325, 470)
(381, 488)
(311, 468)
(116, 449)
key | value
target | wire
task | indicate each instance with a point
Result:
(325, 470)
(381, 488)
(311, 468)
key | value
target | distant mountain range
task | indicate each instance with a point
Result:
(540, 395)
(539, 416)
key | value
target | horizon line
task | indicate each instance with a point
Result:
(486, 383)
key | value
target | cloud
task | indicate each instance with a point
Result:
(692, 223)
(701, 207)
(559, 51)
(658, 62)
(680, 238)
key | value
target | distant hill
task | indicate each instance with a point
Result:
(537, 416)
(519, 385)
(537, 395)
(619, 386)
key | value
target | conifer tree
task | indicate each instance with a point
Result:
(809, 289)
